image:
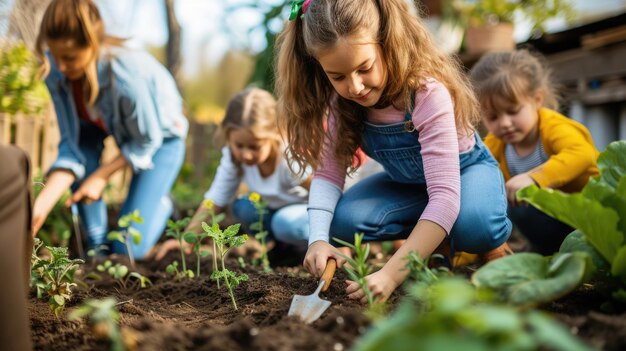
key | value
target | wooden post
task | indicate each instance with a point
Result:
(28, 136)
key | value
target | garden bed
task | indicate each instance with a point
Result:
(195, 315)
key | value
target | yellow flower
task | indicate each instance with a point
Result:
(254, 197)
(208, 203)
(245, 236)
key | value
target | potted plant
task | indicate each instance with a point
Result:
(490, 23)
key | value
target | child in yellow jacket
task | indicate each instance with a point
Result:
(532, 143)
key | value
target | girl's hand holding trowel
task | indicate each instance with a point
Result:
(318, 254)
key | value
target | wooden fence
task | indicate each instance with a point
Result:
(39, 137)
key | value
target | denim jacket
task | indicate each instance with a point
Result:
(138, 102)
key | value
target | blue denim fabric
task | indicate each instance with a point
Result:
(148, 193)
(138, 102)
(289, 224)
(387, 205)
(545, 233)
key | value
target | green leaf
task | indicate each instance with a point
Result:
(529, 279)
(618, 268)
(612, 163)
(135, 234)
(116, 236)
(58, 300)
(550, 333)
(598, 223)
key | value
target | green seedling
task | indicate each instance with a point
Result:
(172, 268)
(122, 275)
(215, 219)
(196, 243)
(260, 205)
(421, 273)
(124, 236)
(357, 268)
(54, 277)
(176, 230)
(225, 240)
(103, 319)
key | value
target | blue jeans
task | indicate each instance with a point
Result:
(387, 205)
(148, 193)
(289, 224)
(545, 233)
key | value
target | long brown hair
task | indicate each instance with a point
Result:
(252, 109)
(513, 76)
(410, 54)
(80, 21)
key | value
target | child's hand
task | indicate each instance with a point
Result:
(169, 245)
(317, 255)
(516, 183)
(380, 284)
(90, 190)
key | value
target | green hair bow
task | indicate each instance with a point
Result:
(296, 6)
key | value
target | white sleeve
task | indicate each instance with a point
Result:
(226, 182)
(323, 199)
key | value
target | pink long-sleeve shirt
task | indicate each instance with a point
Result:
(441, 143)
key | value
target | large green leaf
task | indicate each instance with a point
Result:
(612, 163)
(576, 242)
(597, 222)
(529, 279)
(618, 268)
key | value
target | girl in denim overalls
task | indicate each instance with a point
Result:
(371, 68)
(100, 90)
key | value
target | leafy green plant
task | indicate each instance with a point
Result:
(225, 240)
(125, 236)
(103, 319)
(598, 211)
(21, 90)
(529, 279)
(536, 12)
(450, 314)
(357, 268)
(122, 275)
(215, 219)
(176, 230)
(260, 205)
(53, 277)
(172, 268)
(195, 239)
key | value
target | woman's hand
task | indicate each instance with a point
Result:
(516, 183)
(90, 190)
(317, 256)
(39, 217)
(381, 284)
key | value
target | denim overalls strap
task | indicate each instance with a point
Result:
(397, 148)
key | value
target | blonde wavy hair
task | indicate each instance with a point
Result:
(304, 90)
(80, 21)
(513, 76)
(252, 109)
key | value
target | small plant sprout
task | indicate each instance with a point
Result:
(172, 268)
(175, 230)
(260, 205)
(128, 233)
(420, 271)
(358, 268)
(103, 319)
(215, 219)
(121, 273)
(196, 243)
(54, 277)
(224, 241)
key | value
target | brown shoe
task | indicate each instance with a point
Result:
(499, 252)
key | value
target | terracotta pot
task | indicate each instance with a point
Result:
(489, 37)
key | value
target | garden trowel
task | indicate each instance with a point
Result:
(310, 307)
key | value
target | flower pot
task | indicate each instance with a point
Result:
(489, 37)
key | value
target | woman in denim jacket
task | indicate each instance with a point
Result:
(100, 89)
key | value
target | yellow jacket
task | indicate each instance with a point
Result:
(568, 144)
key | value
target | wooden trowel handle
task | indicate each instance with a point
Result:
(329, 272)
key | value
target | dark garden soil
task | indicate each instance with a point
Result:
(196, 315)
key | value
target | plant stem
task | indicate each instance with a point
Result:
(182, 253)
(130, 250)
(215, 262)
(230, 289)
